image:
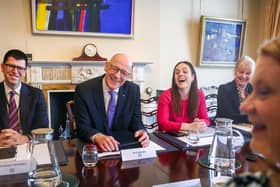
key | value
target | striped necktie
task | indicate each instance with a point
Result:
(13, 120)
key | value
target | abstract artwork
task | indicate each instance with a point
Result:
(113, 18)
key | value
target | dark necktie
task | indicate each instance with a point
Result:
(13, 121)
(111, 108)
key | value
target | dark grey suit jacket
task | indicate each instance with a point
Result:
(228, 102)
(90, 112)
(32, 108)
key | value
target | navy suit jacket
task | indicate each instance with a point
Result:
(90, 112)
(32, 108)
(228, 102)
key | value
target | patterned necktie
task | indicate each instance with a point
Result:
(111, 108)
(13, 121)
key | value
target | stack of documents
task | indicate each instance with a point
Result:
(243, 127)
(21, 163)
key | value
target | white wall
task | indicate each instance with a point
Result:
(166, 31)
(179, 35)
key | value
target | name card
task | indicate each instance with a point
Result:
(137, 154)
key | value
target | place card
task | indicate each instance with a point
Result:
(137, 153)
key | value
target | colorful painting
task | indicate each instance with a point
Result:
(221, 41)
(83, 17)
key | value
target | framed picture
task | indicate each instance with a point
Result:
(106, 18)
(221, 41)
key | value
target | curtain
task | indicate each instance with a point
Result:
(272, 19)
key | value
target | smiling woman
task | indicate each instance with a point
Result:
(231, 94)
(183, 107)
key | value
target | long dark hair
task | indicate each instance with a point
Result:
(193, 94)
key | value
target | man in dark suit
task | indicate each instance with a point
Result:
(29, 103)
(92, 103)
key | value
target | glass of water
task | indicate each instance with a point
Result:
(193, 136)
(90, 155)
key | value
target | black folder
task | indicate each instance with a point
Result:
(171, 139)
(126, 139)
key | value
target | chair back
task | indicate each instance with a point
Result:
(71, 118)
(211, 94)
(149, 113)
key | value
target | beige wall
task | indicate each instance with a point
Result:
(165, 31)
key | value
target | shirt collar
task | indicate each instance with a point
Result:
(106, 88)
(8, 89)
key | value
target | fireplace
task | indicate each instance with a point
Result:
(57, 100)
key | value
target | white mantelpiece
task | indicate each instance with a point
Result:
(74, 72)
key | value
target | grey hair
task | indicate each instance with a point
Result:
(248, 60)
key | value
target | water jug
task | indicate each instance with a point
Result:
(222, 151)
(49, 175)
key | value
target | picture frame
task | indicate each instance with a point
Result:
(98, 18)
(221, 41)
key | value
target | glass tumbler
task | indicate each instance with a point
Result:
(90, 155)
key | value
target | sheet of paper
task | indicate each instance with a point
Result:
(155, 146)
(104, 154)
(41, 154)
(189, 183)
(22, 152)
(202, 141)
(152, 146)
(243, 126)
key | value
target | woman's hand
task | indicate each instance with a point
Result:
(197, 124)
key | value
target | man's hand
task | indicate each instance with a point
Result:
(106, 143)
(143, 137)
(10, 137)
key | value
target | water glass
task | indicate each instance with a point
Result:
(222, 175)
(90, 155)
(44, 177)
(193, 136)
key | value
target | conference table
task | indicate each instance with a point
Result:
(171, 165)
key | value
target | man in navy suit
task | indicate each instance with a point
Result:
(92, 100)
(30, 104)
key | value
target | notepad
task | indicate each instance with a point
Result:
(202, 141)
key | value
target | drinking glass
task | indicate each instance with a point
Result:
(193, 136)
(90, 155)
(219, 178)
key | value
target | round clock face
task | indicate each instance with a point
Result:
(90, 50)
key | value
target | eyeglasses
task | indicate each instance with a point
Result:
(18, 68)
(115, 69)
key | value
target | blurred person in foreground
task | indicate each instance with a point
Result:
(262, 107)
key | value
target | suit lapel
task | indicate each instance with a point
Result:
(99, 99)
(24, 103)
(120, 104)
(3, 108)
